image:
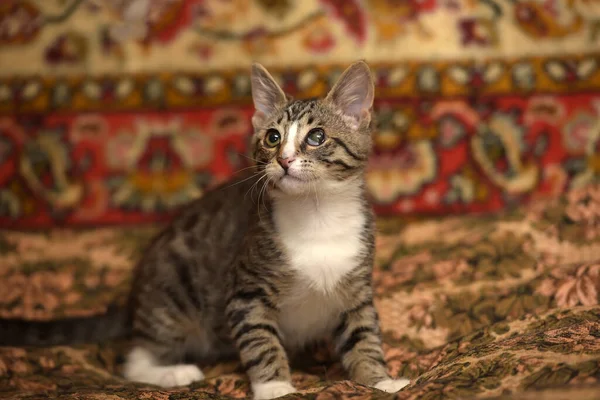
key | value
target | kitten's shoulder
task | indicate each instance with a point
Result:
(235, 193)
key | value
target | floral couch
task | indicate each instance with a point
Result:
(502, 306)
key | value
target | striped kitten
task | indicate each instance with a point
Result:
(282, 257)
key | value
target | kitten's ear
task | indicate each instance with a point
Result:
(266, 94)
(353, 93)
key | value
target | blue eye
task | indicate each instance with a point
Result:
(315, 137)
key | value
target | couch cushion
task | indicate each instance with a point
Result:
(470, 307)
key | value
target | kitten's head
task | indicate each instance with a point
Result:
(319, 144)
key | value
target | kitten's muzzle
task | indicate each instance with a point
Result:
(285, 162)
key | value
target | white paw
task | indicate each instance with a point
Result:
(272, 389)
(392, 385)
(141, 366)
(179, 375)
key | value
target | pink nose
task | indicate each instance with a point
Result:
(285, 162)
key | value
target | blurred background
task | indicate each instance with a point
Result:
(119, 111)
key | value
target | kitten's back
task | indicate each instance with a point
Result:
(209, 227)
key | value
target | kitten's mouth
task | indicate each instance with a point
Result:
(290, 183)
(291, 178)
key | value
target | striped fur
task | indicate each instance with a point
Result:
(266, 264)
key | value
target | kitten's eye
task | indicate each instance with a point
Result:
(272, 138)
(315, 137)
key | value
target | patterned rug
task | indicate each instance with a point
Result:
(119, 111)
(471, 307)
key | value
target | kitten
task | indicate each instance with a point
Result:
(275, 260)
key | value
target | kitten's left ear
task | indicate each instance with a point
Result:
(353, 93)
(266, 95)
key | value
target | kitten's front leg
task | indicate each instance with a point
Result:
(358, 342)
(250, 313)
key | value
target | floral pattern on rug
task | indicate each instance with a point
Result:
(470, 307)
(436, 156)
(117, 112)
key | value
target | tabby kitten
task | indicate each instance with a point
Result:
(279, 258)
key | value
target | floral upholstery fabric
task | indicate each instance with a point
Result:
(114, 113)
(502, 306)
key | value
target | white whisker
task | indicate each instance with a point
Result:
(249, 158)
(242, 181)
(255, 185)
(260, 193)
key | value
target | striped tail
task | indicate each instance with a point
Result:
(113, 324)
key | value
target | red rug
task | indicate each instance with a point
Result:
(119, 112)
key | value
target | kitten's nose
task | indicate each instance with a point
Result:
(285, 162)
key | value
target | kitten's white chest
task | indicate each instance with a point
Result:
(322, 239)
(307, 314)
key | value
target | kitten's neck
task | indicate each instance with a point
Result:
(332, 203)
(350, 190)
(323, 235)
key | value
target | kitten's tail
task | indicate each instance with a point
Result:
(115, 323)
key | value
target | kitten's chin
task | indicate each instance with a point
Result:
(294, 186)
(291, 185)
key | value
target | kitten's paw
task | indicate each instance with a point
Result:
(392, 385)
(141, 366)
(179, 375)
(272, 390)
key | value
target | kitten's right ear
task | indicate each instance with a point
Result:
(352, 95)
(266, 95)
